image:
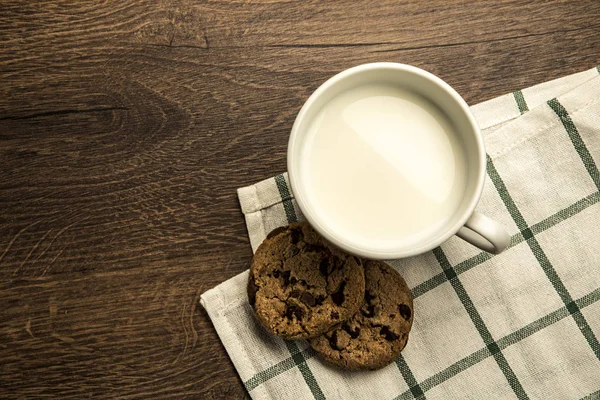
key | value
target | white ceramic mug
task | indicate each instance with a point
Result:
(466, 223)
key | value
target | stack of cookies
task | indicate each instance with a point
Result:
(355, 313)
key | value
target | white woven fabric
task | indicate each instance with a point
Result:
(522, 324)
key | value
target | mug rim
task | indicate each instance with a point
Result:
(391, 253)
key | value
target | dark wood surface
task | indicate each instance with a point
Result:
(126, 127)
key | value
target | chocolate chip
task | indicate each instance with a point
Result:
(295, 294)
(320, 299)
(286, 277)
(369, 297)
(293, 280)
(352, 332)
(325, 266)
(369, 311)
(339, 340)
(333, 340)
(308, 299)
(388, 334)
(335, 314)
(252, 289)
(276, 273)
(295, 235)
(294, 311)
(404, 311)
(338, 296)
(276, 232)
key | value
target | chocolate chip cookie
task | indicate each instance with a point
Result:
(301, 286)
(376, 334)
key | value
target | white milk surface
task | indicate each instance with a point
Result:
(383, 165)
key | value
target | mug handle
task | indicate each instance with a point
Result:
(484, 233)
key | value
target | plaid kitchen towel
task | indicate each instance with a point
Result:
(522, 324)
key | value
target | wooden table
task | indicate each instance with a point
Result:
(126, 127)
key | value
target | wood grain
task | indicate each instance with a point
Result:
(126, 127)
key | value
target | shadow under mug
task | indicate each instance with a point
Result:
(466, 223)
